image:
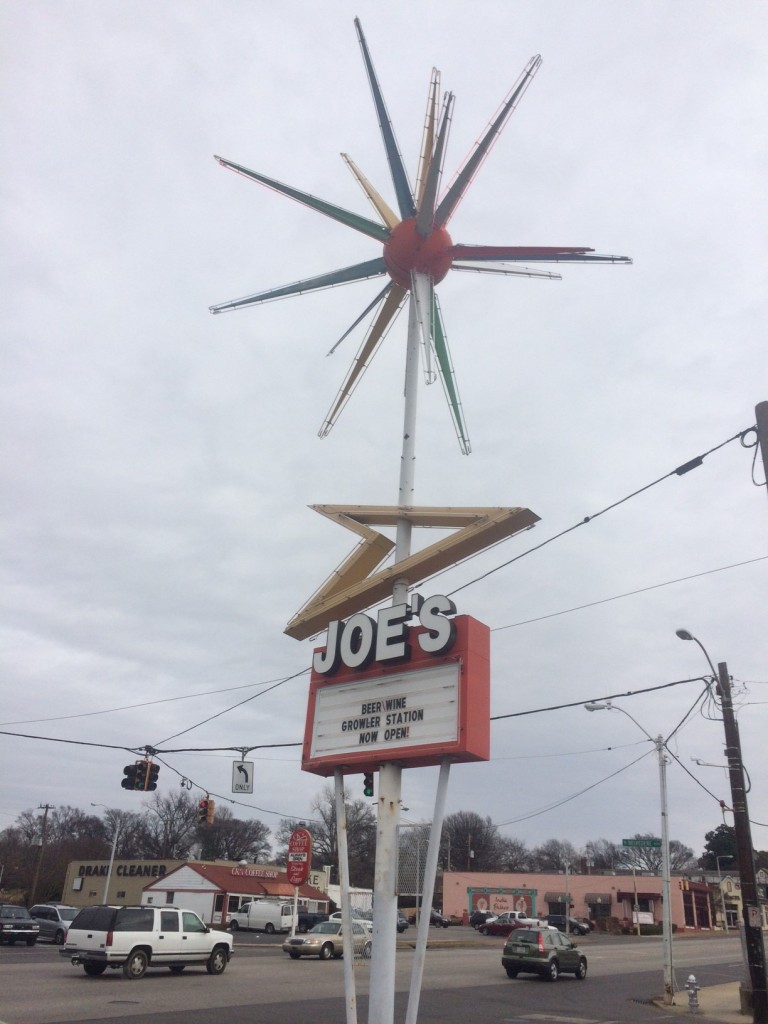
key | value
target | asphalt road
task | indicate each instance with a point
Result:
(461, 983)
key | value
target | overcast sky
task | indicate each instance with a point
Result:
(157, 462)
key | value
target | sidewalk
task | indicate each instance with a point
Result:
(716, 1003)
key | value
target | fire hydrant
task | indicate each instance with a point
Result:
(693, 994)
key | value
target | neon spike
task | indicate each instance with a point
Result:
(363, 315)
(396, 165)
(422, 296)
(428, 136)
(352, 220)
(505, 268)
(448, 378)
(390, 307)
(534, 253)
(358, 272)
(425, 218)
(388, 215)
(466, 174)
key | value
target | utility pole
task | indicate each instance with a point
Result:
(33, 892)
(761, 414)
(753, 934)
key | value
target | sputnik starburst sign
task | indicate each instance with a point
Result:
(418, 252)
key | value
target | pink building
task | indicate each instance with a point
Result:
(593, 896)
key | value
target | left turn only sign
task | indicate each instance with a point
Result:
(242, 776)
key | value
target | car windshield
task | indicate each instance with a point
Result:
(16, 913)
(68, 913)
(326, 928)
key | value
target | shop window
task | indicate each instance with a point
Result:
(77, 884)
(121, 894)
(169, 897)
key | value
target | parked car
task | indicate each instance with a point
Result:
(325, 941)
(435, 917)
(402, 922)
(17, 925)
(478, 917)
(54, 920)
(507, 922)
(575, 927)
(136, 938)
(542, 951)
(358, 917)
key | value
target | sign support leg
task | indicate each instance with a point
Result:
(350, 996)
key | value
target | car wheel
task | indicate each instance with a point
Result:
(294, 955)
(94, 970)
(446, 923)
(511, 972)
(234, 925)
(269, 928)
(581, 970)
(217, 961)
(135, 966)
(176, 968)
(32, 941)
(326, 951)
(553, 971)
(11, 942)
(59, 937)
(483, 930)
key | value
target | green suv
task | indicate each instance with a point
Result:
(542, 951)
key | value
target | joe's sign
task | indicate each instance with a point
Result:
(382, 690)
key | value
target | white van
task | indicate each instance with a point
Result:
(263, 915)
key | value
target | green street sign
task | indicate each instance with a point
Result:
(653, 843)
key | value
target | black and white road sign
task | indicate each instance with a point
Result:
(242, 776)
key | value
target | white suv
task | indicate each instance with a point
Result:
(136, 938)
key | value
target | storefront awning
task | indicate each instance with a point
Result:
(554, 897)
(622, 895)
(597, 897)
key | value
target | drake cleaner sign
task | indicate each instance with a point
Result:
(382, 690)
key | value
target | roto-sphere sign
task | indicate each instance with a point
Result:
(299, 856)
(382, 690)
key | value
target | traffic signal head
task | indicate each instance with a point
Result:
(153, 770)
(202, 812)
(368, 784)
(210, 812)
(130, 772)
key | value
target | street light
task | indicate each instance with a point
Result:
(745, 853)
(112, 854)
(723, 856)
(666, 909)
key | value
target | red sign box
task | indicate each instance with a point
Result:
(415, 714)
(299, 856)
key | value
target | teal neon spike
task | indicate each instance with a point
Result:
(462, 180)
(357, 272)
(448, 377)
(352, 220)
(396, 165)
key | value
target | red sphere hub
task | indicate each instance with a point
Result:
(406, 250)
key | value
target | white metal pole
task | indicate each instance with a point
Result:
(350, 996)
(666, 926)
(381, 1001)
(111, 862)
(430, 871)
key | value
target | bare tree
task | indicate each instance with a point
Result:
(649, 858)
(603, 855)
(230, 838)
(514, 855)
(167, 828)
(470, 843)
(554, 855)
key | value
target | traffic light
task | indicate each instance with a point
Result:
(368, 784)
(201, 817)
(131, 775)
(210, 812)
(150, 781)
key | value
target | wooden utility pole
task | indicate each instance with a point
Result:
(33, 891)
(750, 901)
(761, 414)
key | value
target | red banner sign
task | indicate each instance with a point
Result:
(299, 856)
